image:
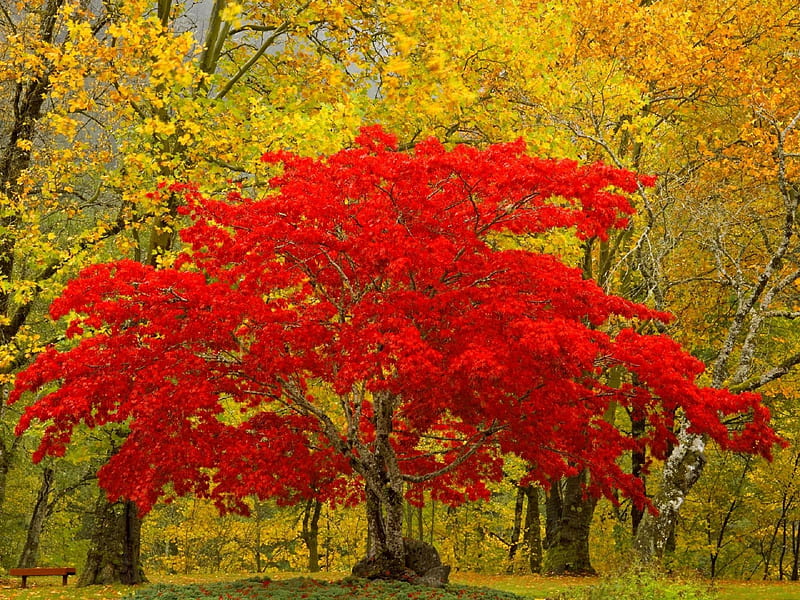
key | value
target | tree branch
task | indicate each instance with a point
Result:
(279, 31)
(481, 438)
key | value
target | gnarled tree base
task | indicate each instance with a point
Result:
(422, 566)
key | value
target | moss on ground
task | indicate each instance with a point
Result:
(313, 589)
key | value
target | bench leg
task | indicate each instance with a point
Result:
(24, 581)
(64, 579)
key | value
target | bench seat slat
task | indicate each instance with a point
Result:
(65, 572)
(34, 571)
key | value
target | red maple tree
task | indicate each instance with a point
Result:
(368, 325)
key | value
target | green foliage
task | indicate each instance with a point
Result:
(312, 589)
(640, 584)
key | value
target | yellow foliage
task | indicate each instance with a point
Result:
(703, 93)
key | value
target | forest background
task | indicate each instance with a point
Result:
(103, 100)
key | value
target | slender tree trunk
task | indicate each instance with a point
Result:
(7, 453)
(516, 530)
(114, 548)
(259, 561)
(532, 533)
(433, 522)
(4, 468)
(20, 115)
(717, 542)
(795, 550)
(569, 517)
(552, 507)
(782, 557)
(41, 510)
(638, 461)
(257, 550)
(766, 553)
(310, 533)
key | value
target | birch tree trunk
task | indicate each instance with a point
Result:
(681, 471)
(735, 366)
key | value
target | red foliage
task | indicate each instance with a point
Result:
(372, 271)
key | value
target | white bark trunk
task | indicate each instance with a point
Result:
(682, 469)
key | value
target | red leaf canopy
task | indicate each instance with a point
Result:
(253, 366)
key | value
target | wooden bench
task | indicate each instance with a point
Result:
(37, 571)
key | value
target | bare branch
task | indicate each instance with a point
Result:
(279, 31)
(479, 440)
(783, 314)
(768, 376)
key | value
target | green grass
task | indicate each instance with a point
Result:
(527, 586)
(760, 590)
(465, 584)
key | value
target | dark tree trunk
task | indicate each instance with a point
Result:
(569, 516)
(5, 464)
(310, 533)
(21, 113)
(41, 510)
(532, 533)
(638, 461)
(7, 453)
(385, 548)
(259, 561)
(782, 557)
(552, 508)
(795, 550)
(516, 530)
(433, 521)
(114, 548)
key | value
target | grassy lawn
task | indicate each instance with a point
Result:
(531, 586)
(758, 590)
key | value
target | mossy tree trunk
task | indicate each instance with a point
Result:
(532, 530)
(114, 548)
(569, 517)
